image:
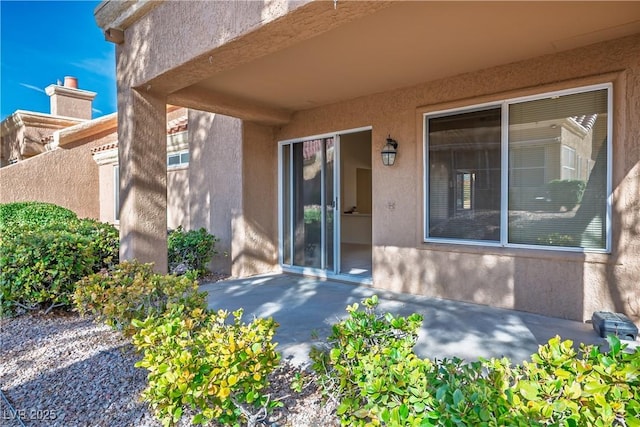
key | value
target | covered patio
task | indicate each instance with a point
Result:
(306, 307)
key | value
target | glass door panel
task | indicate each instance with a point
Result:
(286, 204)
(308, 203)
(329, 203)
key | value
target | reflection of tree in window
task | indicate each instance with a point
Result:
(559, 211)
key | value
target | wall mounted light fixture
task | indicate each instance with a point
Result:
(389, 152)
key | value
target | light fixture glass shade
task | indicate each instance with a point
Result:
(389, 152)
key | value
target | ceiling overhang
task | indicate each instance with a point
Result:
(388, 46)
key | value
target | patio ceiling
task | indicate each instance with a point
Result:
(401, 45)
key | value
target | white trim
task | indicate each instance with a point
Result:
(323, 205)
(504, 174)
(325, 135)
(558, 93)
(608, 229)
(504, 164)
(178, 141)
(280, 207)
(337, 195)
(116, 193)
(106, 157)
(324, 274)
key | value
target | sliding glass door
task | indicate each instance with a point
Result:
(308, 203)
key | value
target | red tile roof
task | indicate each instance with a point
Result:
(177, 125)
(173, 126)
(105, 147)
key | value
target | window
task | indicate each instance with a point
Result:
(464, 175)
(178, 159)
(568, 162)
(525, 172)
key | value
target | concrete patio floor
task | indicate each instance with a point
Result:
(306, 308)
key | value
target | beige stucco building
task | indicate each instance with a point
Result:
(46, 156)
(67, 158)
(493, 105)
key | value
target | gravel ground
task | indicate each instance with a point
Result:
(63, 370)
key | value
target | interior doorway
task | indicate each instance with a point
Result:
(356, 202)
(325, 205)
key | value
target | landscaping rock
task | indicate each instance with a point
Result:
(63, 370)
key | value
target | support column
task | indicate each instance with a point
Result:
(142, 155)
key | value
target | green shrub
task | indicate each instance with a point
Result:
(592, 388)
(371, 370)
(199, 360)
(132, 290)
(566, 192)
(33, 213)
(104, 240)
(192, 248)
(370, 365)
(44, 250)
(41, 267)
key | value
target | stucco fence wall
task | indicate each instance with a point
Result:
(561, 284)
(66, 177)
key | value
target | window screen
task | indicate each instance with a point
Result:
(464, 176)
(565, 208)
(554, 191)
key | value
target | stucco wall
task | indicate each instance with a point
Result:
(254, 246)
(178, 198)
(66, 177)
(107, 193)
(64, 105)
(570, 285)
(215, 174)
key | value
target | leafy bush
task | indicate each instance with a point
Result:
(371, 370)
(370, 366)
(192, 248)
(44, 250)
(42, 266)
(592, 388)
(199, 360)
(132, 290)
(104, 240)
(566, 192)
(33, 214)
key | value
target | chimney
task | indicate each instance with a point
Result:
(69, 101)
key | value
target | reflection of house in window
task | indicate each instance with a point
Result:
(527, 167)
(556, 194)
(547, 150)
(568, 161)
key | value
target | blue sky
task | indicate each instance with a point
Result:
(41, 42)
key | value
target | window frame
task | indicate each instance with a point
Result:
(504, 104)
(179, 154)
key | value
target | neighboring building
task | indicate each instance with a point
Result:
(489, 102)
(46, 157)
(68, 159)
